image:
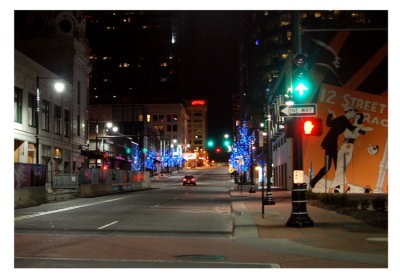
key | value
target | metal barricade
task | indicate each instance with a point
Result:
(65, 181)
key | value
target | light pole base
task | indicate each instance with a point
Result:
(269, 200)
(300, 221)
(252, 189)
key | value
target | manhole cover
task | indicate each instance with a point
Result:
(200, 257)
(351, 226)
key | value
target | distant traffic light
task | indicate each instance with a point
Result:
(210, 143)
(300, 81)
(218, 150)
(311, 126)
(227, 143)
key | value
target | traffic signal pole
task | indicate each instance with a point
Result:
(297, 137)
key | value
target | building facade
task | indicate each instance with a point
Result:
(134, 54)
(53, 44)
(60, 138)
(197, 124)
(170, 121)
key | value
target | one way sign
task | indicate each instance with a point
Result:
(300, 110)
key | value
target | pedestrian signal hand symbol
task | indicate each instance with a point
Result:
(308, 127)
(312, 126)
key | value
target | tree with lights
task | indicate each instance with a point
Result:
(150, 162)
(136, 159)
(242, 153)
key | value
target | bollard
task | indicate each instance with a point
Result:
(299, 217)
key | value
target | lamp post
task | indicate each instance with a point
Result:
(59, 87)
(269, 200)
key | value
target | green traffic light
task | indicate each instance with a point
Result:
(301, 88)
(210, 143)
(227, 143)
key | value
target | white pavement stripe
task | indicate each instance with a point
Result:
(105, 226)
(157, 205)
(63, 209)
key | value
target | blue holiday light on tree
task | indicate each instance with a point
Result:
(136, 159)
(241, 154)
(150, 162)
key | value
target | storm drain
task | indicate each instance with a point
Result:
(200, 257)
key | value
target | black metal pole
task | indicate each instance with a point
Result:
(37, 118)
(269, 200)
(97, 132)
(252, 188)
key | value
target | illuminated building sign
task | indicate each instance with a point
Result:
(198, 103)
(189, 156)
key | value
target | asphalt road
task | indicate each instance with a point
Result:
(169, 226)
(169, 209)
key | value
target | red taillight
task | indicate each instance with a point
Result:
(105, 168)
(184, 179)
(192, 179)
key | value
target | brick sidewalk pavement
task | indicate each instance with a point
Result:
(331, 230)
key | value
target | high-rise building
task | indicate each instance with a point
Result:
(135, 55)
(197, 124)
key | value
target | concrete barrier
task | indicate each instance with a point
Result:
(94, 190)
(29, 196)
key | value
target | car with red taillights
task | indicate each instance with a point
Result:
(189, 179)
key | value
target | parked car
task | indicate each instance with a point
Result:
(189, 179)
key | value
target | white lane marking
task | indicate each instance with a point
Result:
(63, 209)
(378, 239)
(157, 205)
(105, 226)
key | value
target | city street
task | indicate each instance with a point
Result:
(175, 226)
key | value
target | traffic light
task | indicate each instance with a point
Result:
(311, 126)
(218, 150)
(210, 143)
(227, 143)
(301, 85)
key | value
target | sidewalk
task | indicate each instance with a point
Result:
(334, 236)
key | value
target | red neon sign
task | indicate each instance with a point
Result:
(198, 103)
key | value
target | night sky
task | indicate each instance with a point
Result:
(211, 68)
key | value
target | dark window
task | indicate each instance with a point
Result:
(161, 118)
(169, 118)
(66, 123)
(32, 110)
(198, 142)
(168, 128)
(46, 115)
(155, 117)
(197, 114)
(78, 127)
(79, 93)
(57, 120)
(175, 128)
(66, 26)
(18, 105)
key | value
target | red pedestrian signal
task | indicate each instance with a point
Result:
(312, 126)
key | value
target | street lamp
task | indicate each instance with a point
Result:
(59, 87)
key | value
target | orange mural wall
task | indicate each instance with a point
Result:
(366, 164)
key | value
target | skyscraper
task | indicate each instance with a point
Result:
(135, 56)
